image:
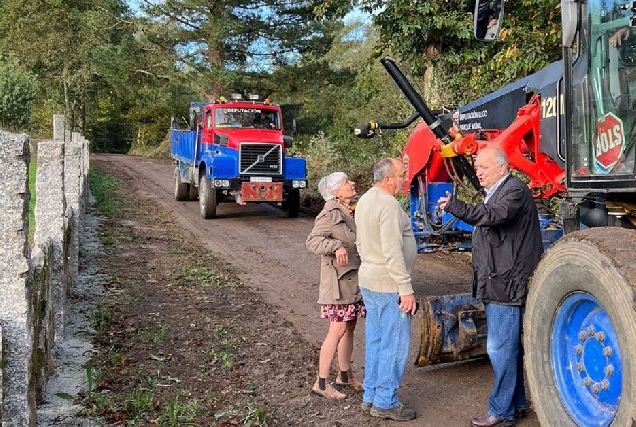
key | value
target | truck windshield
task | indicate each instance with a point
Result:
(604, 112)
(233, 117)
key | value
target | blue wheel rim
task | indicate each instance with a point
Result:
(586, 360)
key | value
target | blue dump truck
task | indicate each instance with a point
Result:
(235, 151)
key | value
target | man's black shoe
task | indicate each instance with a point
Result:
(521, 413)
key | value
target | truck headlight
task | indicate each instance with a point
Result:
(222, 183)
(299, 183)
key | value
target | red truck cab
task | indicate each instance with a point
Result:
(241, 121)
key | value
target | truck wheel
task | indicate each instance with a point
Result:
(207, 198)
(193, 193)
(292, 205)
(181, 189)
(580, 330)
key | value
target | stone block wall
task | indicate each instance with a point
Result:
(16, 283)
(37, 277)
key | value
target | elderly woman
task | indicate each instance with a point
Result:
(333, 238)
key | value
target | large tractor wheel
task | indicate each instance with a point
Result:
(207, 198)
(181, 189)
(291, 206)
(580, 330)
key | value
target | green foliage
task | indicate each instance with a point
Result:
(248, 413)
(139, 404)
(177, 414)
(436, 36)
(18, 89)
(103, 317)
(120, 77)
(103, 189)
(32, 198)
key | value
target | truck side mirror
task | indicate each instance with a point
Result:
(294, 127)
(488, 19)
(287, 141)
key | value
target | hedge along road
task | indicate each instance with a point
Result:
(268, 253)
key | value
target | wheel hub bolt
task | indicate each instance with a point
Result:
(578, 349)
(609, 370)
(600, 336)
(590, 331)
(607, 351)
(582, 336)
(605, 385)
(579, 367)
(586, 381)
(595, 389)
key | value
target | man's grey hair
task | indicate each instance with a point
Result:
(384, 167)
(500, 157)
(329, 184)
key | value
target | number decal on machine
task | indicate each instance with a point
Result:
(549, 106)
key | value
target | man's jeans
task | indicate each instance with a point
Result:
(506, 356)
(388, 334)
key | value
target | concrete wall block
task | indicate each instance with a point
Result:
(16, 283)
(85, 168)
(50, 222)
(72, 174)
(58, 127)
(43, 323)
(70, 249)
(14, 199)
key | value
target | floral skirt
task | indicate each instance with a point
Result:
(343, 312)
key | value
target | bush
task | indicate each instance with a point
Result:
(18, 89)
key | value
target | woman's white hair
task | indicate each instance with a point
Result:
(328, 185)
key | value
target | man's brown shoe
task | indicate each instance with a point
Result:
(329, 392)
(399, 413)
(491, 421)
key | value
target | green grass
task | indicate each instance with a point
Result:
(32, 170)
(179, 414)
(248, 413)
(204, 276)
(103, 188)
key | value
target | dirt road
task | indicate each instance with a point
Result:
(268, 252)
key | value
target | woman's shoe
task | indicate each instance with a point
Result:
(353, 381)
(329, 392)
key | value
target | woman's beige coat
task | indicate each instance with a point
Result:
(335, 228)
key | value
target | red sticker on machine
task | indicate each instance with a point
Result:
(610, 142)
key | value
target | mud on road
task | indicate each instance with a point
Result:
(264, 252)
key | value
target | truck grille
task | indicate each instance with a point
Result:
(260, 159)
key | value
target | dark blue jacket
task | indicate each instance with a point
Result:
(507, 243)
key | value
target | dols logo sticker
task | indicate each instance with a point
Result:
(610, 142)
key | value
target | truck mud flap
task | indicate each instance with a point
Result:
(261, 192)
(453, 329)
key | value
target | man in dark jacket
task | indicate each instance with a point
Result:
(507, 246)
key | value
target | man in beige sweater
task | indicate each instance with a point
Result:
(387, 249)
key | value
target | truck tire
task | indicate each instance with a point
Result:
(291, 206)
(207, 198)
(193, 193)
(580, 330)
(181, 189)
